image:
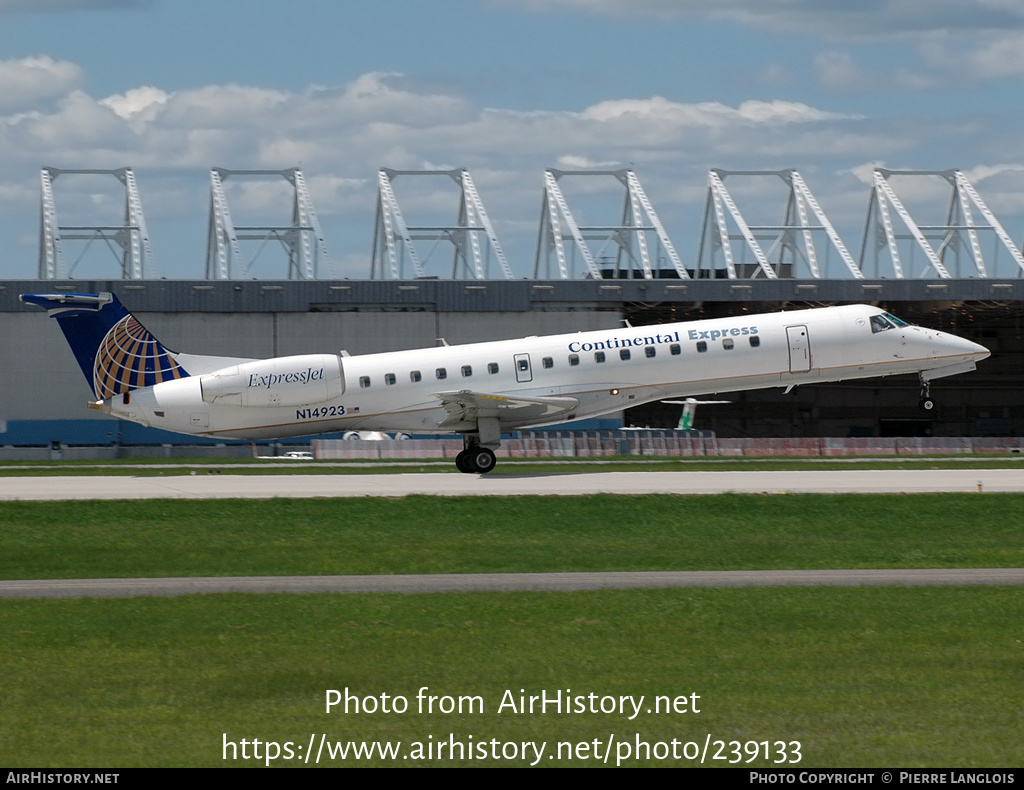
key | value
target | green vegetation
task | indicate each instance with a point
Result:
(513, 534)
(892, 677)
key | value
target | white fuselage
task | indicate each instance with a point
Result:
(398, 391)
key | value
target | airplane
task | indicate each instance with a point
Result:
(373, 436)
(686, 417)
(482, 390)
(690, 411)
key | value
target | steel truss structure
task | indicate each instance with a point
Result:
(472, 235)
(303, 239)
(132, 237)
(967, 243)
(791, 251)
(630, 237)
(945, 245)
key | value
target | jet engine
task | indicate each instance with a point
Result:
(283, 381)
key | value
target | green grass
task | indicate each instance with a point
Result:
(514, 534)
(883, 677)
(892, 677)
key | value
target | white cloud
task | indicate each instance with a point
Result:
(341, 135)
(136, 101)
(708, 114)
(981, 172)
(43, 6)
(776, 74)
(1001, 58)
(865, 171)
(959, 41)
(79, 126)
(575, 162)
(223, 107)
(781, 112)
(838, 72)
(838, 18)
(139, 106)
(978, 57)
(26, 82)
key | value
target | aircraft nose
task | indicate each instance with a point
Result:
(964, 347)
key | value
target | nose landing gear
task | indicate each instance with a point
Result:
(926, 403)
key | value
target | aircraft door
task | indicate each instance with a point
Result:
(523, 370)
(799, 349)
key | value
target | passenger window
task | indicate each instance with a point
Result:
(624, 353)
(649, 351)
(467, 371)
(441, 373)
(364, 381)
(574, 359)
(524, 364)
(389, 379)
(755, 341)
(598, 356)
(728, 344)
(702, 346)
(492, 367)
(548, 362)
(415, 376)
(675, 350)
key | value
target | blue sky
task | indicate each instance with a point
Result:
(503, 87)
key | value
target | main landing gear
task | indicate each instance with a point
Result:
(475, 459)
(926, 403)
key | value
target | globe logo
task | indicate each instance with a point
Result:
(130, 357)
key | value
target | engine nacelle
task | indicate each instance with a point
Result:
(283, 381)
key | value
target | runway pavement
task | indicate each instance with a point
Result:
(482, 582)
(573, 483)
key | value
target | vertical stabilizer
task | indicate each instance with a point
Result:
(115, 352)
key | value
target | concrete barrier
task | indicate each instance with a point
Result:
(569, 444)
(667, 444)
(858, 446)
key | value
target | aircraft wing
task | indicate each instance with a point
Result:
(468, 406)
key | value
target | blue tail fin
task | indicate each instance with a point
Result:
(115, 352)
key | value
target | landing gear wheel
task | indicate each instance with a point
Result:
(462, 462)
(926, 403)
(475, 460)
(481, 460)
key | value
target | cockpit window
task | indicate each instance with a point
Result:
(884, 321)
(880, 323)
